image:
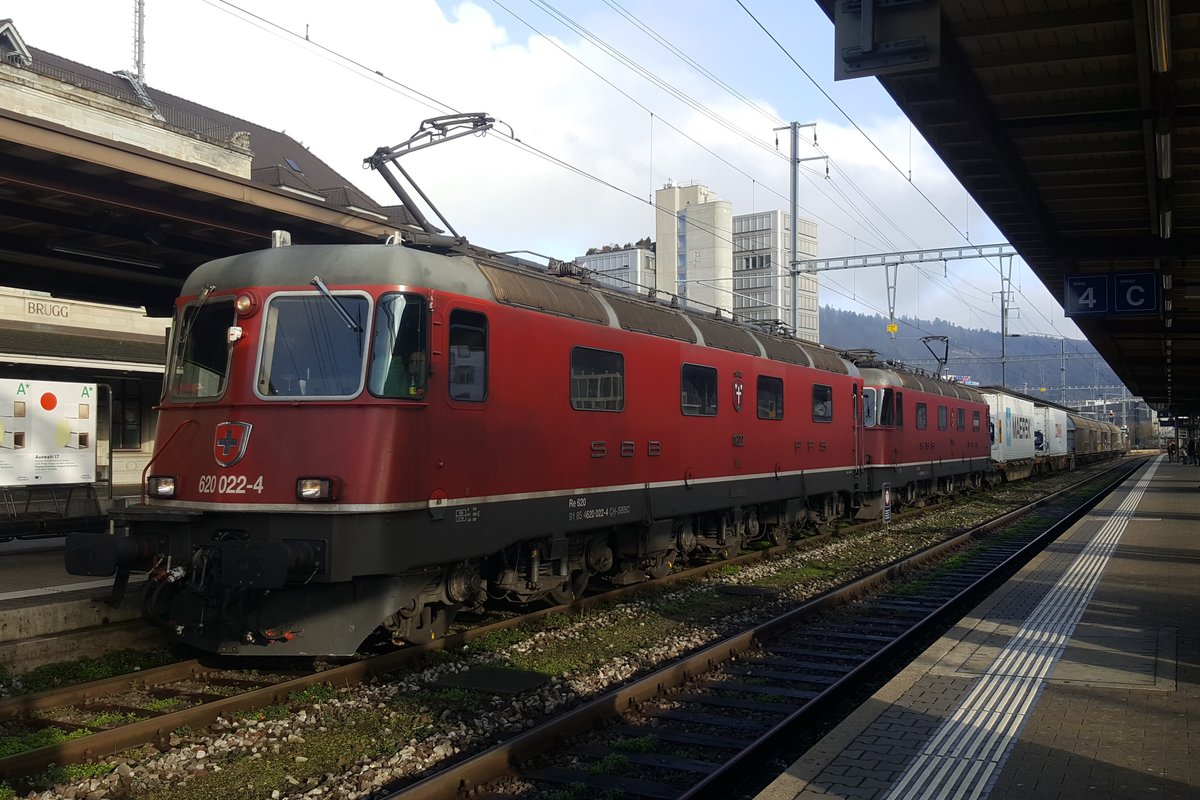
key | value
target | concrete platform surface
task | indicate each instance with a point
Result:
(1079, 679)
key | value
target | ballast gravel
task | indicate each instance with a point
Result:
(449, 734)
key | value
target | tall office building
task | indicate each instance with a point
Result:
(761, 264)
(694, 246)
(711, 259)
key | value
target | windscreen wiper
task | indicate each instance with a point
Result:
(328, 295)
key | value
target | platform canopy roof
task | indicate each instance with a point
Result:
(1075, 125)
(91, 208)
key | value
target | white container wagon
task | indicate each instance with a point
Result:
(1012, 426)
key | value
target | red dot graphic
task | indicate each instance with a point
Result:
(49, 401)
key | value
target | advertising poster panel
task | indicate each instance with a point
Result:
(47, 432)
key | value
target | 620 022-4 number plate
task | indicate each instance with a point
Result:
(230, 484)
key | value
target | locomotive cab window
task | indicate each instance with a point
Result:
(922, 416)
(399, 350)
(314, 346)
(698, 391)
(468, 356)
(200, 360)
(869, 399)
(822, 403)
(597, 380)
(770, 397)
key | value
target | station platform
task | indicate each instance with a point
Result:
(47, 615)
(1079, 678)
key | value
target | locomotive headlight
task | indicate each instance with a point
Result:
(314, 489)
(160, 486)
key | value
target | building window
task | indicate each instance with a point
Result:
(126, 415)
(698, 391)
(770, 397)
(822, 405)
(468, 356)
(597, 380)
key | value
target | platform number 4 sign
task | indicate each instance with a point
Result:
(1087, 294)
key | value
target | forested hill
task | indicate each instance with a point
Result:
(1032, 362)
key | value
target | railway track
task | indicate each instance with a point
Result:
(698, 727)
(106, 717)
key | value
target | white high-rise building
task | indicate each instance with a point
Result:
(711, 259)
(762, 284)
(694, 246)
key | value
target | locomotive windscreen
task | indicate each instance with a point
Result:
(201, 354)
(309, 350)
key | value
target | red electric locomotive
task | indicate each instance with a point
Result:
(366, 436)
(924, 437)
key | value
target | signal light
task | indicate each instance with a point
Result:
(160, 486)
(314, 489)
(245, 304)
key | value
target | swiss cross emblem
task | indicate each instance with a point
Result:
(738, 389)
(230, 443)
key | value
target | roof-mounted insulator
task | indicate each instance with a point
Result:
(281, 239)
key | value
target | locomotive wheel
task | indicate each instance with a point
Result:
(571, 590)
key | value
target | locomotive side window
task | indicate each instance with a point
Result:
(770, 397)
(399, 360)
(201, 360)
(922, 416)
(468, 356)
(900, 408)
(698, 391)
(309, 348)
(887, 408)
(822, 405)
(962, 419)
(870, 398)
(597, 380)
(975, 421)
(943, 418)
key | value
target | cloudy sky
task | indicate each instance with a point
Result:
(610, 100)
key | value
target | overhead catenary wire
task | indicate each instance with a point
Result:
(872, 142)
(693, 64)
(377, 76)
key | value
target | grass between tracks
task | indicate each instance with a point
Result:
(69, 673)
(380, 736)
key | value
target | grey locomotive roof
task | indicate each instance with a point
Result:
(493, 279)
